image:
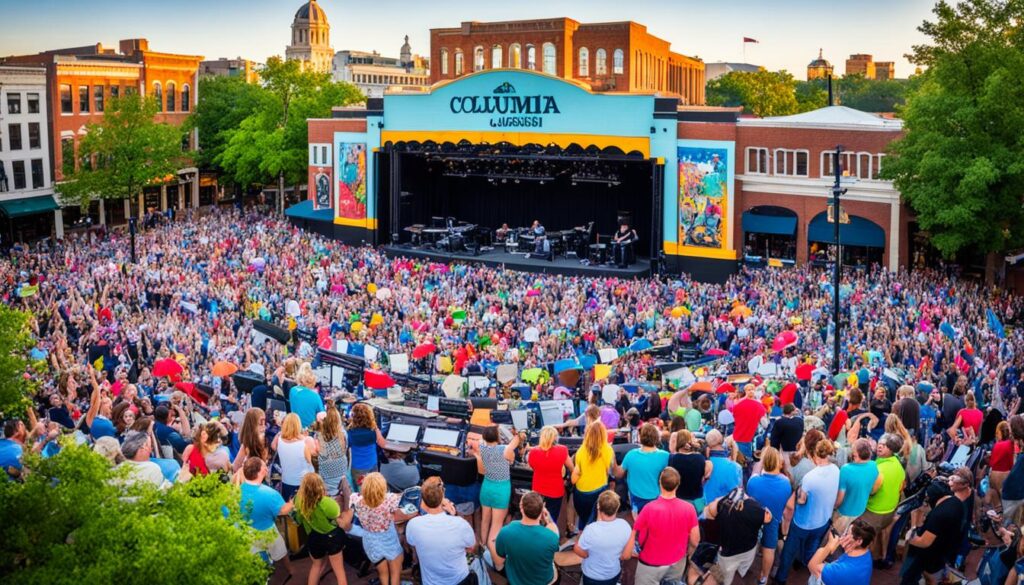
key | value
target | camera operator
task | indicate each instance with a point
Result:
(933, 544)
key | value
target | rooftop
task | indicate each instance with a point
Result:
(840, 117)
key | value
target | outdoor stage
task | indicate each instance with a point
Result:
(567, 266)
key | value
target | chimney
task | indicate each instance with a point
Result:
(132, 46)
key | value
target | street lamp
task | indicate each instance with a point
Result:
(131, 233)
(837, 190)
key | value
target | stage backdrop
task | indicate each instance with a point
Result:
(706, 173)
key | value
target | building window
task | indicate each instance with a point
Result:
(19, 174)
(14, 136)
(4, 185)
(186, 98)
(618, 62)
(515, 57)
(158, 94)
(584, 62)
(531, 57)
(478, 59)
(550, 59)
(601, 62)
(34, 139)
(170, 96)
(460, 65)
(115, 92)
(37, 173)
(497, 58)
(792, 163)
(83, 99)
(65, 99)
(67, 156)
(97, 98)
(444, 61)
(14, 103)
(757, 161)
(33, 103)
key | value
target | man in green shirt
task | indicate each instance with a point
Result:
(526, 548)
(882, 504)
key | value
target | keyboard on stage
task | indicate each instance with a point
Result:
(454, 407)
(388, 408)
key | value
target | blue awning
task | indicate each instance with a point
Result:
(783, 225)
(859, 232)
(304, 210)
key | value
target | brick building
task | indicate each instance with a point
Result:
(885, 70)
(237, 67)
(79, 82)
(610, 57)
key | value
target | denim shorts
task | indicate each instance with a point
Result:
(770, 534)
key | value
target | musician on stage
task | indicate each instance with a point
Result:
(538, 230)
(501, 234)
(625, 237)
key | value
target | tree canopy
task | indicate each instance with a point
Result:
(15, 342)
(73, 521)
(960, 165)
(124, 152)
(761, 93)
(223, 103)
(272, 139)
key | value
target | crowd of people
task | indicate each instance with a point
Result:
(797, 466)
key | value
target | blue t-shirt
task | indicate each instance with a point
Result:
(102, 427)
(771, 490)
(364, 448)
(856, 480)
(642, 471)
(847, 570)
(260, 505)
(726, 475)
(821, 485)
(1013, 485)
(166, 435)
(306, 403)
(10, 454)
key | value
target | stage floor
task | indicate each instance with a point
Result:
(566, 266)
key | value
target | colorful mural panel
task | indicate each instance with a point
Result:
(703, 197)
(351, 180)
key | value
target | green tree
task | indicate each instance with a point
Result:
(74, 521)
(15, 342)
(871, 95)
(811, 95)
(960, 165)
(762, 93)
(223, 103)
(124, 152)
(272, 141)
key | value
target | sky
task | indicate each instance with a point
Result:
(789, 32)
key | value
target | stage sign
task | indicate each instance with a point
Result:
(705, 193)
(351, 180)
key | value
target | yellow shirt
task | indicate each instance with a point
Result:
(593, 474)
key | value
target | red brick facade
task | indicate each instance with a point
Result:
(582, 52)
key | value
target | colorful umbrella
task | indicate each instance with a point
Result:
(423, 350)
(784, 340)
(717, 352)
(725, 388)
(459, 314)
(224, 369)
(640, 345)
(533, 375)
(377, 380)
(703, 386)
(167, 367)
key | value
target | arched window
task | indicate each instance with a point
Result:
(158, 93)
(618, 62)
(497, 59)
(601, 62)
(444, 61)
(171, 97)
(478, 59)
(584, 70)
(550, 59)
(515, 57)
(460, 66)
(531, 57)
(186, 95)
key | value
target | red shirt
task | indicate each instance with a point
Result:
(1002, 455)
(663, 530)
(971, 417)
(747, 414)
(547, 470)
(838, 422)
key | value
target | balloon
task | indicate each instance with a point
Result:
(371, 288)
(357, 327)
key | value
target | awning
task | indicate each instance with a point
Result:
(783, 225)
(14, 208)
(859, 232)
(304, 210)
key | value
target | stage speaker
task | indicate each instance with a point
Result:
(453, 469)
(279, 334)
(245, 381)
